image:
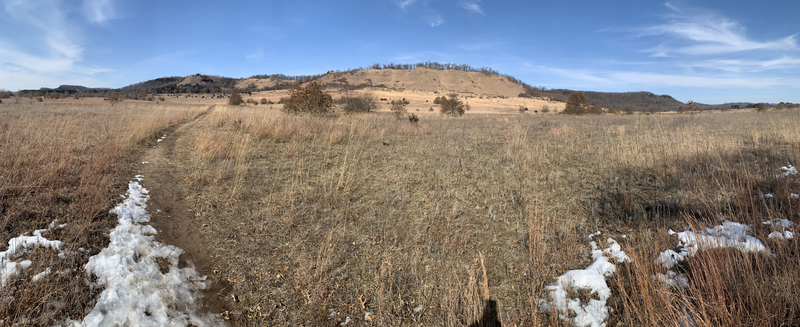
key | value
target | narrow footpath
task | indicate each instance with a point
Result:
(172, 217)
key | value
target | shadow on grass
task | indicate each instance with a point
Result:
(490, 316)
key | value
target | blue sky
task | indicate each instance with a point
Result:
(706, 51)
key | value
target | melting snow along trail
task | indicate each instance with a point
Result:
(171, 216)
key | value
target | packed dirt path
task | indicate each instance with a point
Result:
(173, 219)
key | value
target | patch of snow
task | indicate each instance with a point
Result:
(787, 170)
(765, 196)
(593, 278)
(136, 292)
(144, 162)
(727, 235)
(21, 245)
(345, 322)
(785, 235)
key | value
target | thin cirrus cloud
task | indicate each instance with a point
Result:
(706, 33)
(61, 47)
(472, 6)
(434, 20)
(405, 3)
(99, 11)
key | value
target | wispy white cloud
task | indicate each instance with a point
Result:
(275, 33)
(697, 32)
(405, 3)
(434, 20)
(62, 47)
(472, 6)
(744, 65)
(53, 45)
(99, 11)
(255, 54)
(629, 79)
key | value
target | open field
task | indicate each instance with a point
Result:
(318, 221)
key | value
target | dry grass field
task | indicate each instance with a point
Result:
(367, 219)
(67, 160)
(317, 219)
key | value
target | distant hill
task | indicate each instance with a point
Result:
(424, 80)
(433, 77)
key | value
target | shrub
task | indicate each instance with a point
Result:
(362, 103)
(761, 107)
(149, 98)
(263, 101)
(545, 109)
(577, 104)
(452, 105)
(522, 109)
(39, 99)
(249, 101)
(235, 99)
(430, 109)
(309, 98)
(161, 99)
(399, 107)
(413, 118)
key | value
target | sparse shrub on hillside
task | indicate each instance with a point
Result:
(235, 99)
(308, 99)
(5, 94)
(161, 99)
(399, 107)
(577, 104)
(39, 99)
(430, 109)
(114, 98)
(263, 100)
(545, 109)
(251, 101)
(689, 108)
(761, 107)
(438, 100)
(452, 105)
(149, 98)
(362, 103)
(413, 118)
(522, 109)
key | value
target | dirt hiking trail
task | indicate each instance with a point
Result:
(170, 215)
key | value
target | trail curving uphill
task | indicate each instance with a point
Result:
(172, 217)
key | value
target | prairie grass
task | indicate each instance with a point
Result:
(68, 162)
(318, 219)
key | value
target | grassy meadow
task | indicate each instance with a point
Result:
(317, 221)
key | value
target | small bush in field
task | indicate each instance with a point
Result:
(358, 103)
(309, 98)
(545, 109)
(430, 109)
(761, 107)
(251, 101)
(235, 99)
(149, 98)
(577, 104)
(452, 105)
(413, 118)
(161, 99)
(399, 107)
(263, 101)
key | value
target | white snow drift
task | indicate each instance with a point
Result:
(593, 278)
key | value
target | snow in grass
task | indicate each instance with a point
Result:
(787, 170)
(727, 235)
(162, 138)
(20, 245)
(136, 292)
(593, 278)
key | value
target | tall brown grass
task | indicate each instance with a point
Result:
(68, 162)
(323, 218)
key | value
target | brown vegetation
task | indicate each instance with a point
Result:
(308, 98)
(70, 163)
